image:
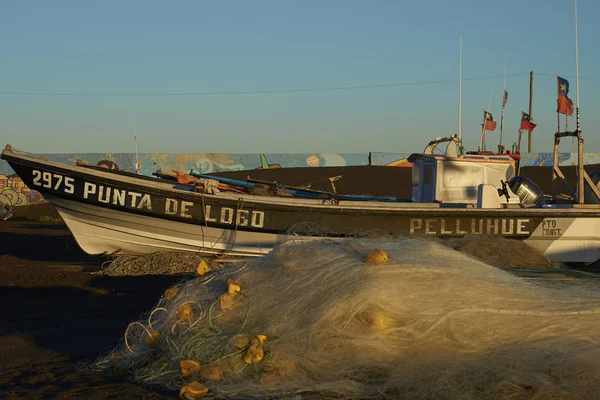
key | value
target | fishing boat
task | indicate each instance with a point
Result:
(110, 211)
(453, 195)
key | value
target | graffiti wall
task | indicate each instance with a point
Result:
(14, 192)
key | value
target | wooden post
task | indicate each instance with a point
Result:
(482, 140)
(554, 167)
(530, 109)
(558, 122)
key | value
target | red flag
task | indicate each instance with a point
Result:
(565, 104)
(526, 122)
(490, 122)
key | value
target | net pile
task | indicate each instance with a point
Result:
(502, 252)
(313, 318)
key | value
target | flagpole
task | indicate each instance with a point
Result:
(557, 113)
(502, 114)
(581, 171)
(460, 95)
(520, 133)
(137, 162)
(488, 110)
(482, 132)
(576, 65)
(530, 109)
(577, 71)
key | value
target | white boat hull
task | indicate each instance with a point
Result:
(105, 231)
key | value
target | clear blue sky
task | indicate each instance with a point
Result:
(150, 46)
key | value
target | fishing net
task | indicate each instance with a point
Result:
(336, 319)
(502, 252)
(160, 263)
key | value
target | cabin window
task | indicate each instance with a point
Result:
(416, 173)
(428, 175)
(510, 173)
(462, 175)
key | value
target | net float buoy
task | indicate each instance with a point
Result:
(376, 257)
(202, 268)
(193, 391)
(189, 368)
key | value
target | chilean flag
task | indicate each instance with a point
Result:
(490, 122)
(565, 104)
(526, 122)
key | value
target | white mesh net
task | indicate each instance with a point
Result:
(313, 318)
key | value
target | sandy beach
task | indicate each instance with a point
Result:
(56, 314)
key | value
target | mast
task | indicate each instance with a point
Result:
(502, 114)
(482, 141)
(576, 65)
(530, 109)
(137, 162)
(580, 171)
(582, 176)
(460, 95)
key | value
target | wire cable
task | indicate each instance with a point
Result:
(252, 92)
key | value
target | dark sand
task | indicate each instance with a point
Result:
(54, 314)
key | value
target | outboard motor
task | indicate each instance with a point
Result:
(589, 197)
(527, 190)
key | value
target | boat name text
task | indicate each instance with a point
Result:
(49, 180)
(141, 201)
(472, 226)
(221, 215)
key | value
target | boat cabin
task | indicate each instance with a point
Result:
(477, 180)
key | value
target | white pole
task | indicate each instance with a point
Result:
(502, 115)
(137, 163)
(504, 77)
(576, 58)
(460, 95)
(482, 141)
(492, 92)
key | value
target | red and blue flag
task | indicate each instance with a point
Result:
(526, 122)
(565, 104)
(490, 122)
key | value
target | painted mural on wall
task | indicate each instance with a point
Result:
(14, 192)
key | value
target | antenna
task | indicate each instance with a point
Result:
(137, 162)
(460, 95)
(504, 98)
(504, 74)
(581, 174)
(576, 65)
(482, 141)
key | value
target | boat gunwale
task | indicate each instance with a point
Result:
(399, 208)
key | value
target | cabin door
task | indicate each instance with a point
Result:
(428, 179)
(424, 182)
